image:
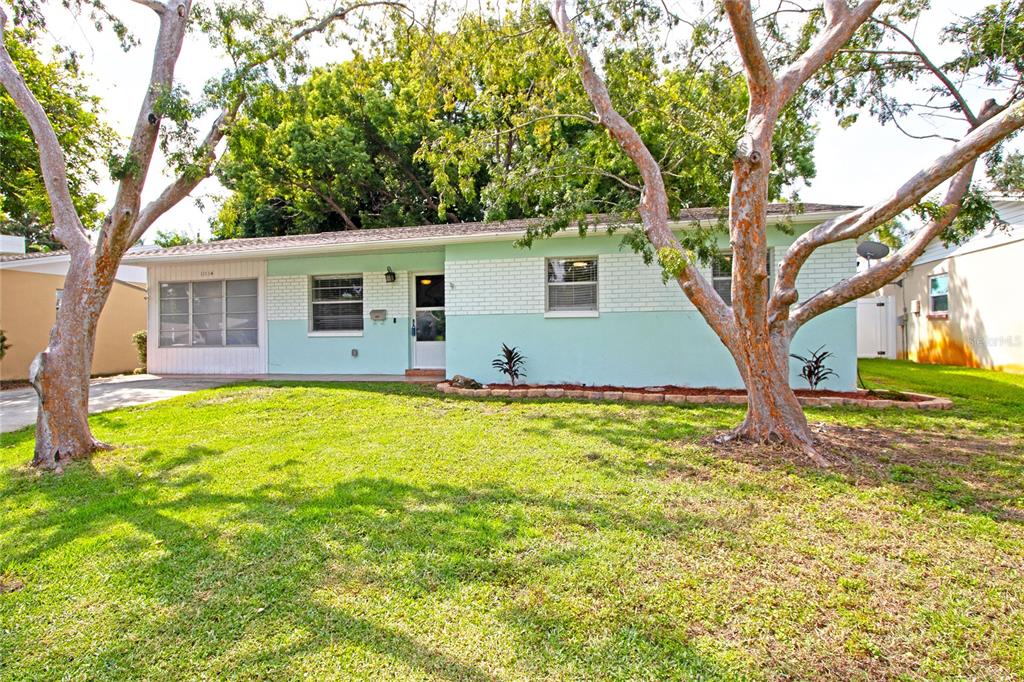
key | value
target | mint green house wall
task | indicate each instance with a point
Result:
(644, 333)
(381, 348)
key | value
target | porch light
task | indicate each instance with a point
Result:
(389, 276)
(426, 281)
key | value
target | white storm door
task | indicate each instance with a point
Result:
(428, 322)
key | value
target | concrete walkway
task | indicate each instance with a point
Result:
(18, 406)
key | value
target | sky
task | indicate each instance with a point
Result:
(861, 164)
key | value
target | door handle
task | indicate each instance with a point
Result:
(412, 329)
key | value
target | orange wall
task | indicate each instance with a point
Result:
(28, 311)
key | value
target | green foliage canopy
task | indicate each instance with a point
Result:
(484, 121)
(59, 86)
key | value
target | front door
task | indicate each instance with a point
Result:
(428, 322)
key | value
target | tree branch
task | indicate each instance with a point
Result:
(841, 24)
(877, 276)
(183, 185)
(861, 221)
(938, 73)
(653, 205)
(154, 5)
(119, 224)
(760, 79)
(68, 226)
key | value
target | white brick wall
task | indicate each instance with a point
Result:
(494, 287)
(516, 285)
(288, 295)
(825, 267)
(625, 284)
(381, 295)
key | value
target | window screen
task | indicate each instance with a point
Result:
(938, 288)
(336, 303)
(572, 284)
(209, 313)
(721, 274)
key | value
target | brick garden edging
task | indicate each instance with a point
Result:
(642, 396)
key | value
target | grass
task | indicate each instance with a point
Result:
(346, 531)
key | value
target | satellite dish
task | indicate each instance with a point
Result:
(872, 250)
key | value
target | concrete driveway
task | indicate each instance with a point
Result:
(18, 406)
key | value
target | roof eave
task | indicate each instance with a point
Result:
(412, 243)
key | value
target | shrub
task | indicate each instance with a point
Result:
(814, 370)
(3, 344)
(510, 363)
(139, 339)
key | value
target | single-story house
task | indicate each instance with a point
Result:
(444, 298)
(30, 290)
(952, 306)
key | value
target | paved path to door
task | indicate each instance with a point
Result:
(18, 406)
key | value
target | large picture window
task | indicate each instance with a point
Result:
(336, 304)
(209, 313)
(572, 284)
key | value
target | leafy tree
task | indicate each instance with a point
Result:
(847, 57)
(1008, 174)
(260, 48)
(165, 238)
(59, 86)
(333, 153)
(480, 121)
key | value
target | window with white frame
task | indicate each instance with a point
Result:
(721, 274)
(336, 303)
(209, 313)
(938, 294)
(572, 284)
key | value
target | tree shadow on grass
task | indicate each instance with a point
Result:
(938, 468)
(287, 575)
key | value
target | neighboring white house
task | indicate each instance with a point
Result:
(956, 304)
(444, 298)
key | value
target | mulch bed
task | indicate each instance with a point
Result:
(9, 384)
(694, 390)
(689, 394)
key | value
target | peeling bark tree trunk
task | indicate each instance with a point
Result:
(60, 373)
(759, 325)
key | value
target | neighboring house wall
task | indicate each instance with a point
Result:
(984, 326)
(207, 360)
(28, 312)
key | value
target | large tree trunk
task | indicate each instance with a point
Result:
(774, 414)
(60, 373)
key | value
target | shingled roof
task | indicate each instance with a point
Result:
(382, 237)
(32, 255)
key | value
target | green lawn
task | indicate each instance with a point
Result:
(283, 531)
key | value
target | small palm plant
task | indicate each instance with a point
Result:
(510, 363)
(814, 370)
